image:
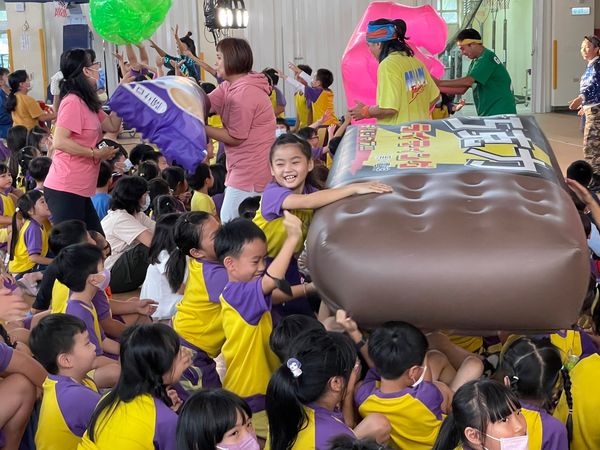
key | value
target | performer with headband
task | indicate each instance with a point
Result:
(492, 86)
(405, 89)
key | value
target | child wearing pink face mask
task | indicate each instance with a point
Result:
(81, 269)
(216, 419)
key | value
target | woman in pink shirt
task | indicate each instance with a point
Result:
(80, 124)
(242, 100)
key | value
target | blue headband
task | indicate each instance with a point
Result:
(381, 33)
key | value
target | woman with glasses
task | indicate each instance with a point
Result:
(80, 124)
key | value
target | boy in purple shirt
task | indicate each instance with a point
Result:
(61, 343)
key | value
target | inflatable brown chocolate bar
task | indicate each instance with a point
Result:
(479, 234)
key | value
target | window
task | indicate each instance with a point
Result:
(449, 10)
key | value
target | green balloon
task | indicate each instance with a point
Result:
(128, 21)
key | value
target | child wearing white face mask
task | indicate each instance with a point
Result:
(486, 415)
(410, 386)
(216, 419)
(81, 269)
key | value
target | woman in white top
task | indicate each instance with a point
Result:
(156, 285)
(129, 232)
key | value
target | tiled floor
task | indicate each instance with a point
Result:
(564, 135)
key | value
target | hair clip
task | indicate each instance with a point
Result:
(17, 209)
(295, 367)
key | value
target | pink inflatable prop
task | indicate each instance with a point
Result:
(427, 33)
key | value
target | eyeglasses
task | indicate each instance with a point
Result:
(97, 63)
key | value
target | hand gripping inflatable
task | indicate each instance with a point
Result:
(427, 33)
(478, 235)
(170, 112)
(128, 21)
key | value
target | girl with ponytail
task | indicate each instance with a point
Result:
(532, 369)
(139, 411)
(303, 394)
(198, 317)
(25, 110)
(405, 89)
(486, 415)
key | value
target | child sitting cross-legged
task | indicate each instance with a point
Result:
(62, 344)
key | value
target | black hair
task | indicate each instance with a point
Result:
(474, 405)
(4, 71)
(174, 176)
(72, 63)
(208, 87)
(197, 180)
(292, 139)
(322, 355)
(14, 82)
(151, 156)
(127, 194)
(163, 205)
(148, 170)
(306, 133)
(39, 167)
(16, 139)
(53, 335)
(248, 207)
(187, 235)
(76, 263)
(206, 416)
(282, 121)
(306, 69)
(187, 40)
(395, 347)
(67, 233)
(25, 204)
(272, 76)
(234, 235)
(334, 144)
(147, 353)
(580, 171)
(345, 442)
(104, 175)
(468, 33)
(289, 328)
(219, 172)
(318, 176)
(156, 188)
(533, 368)
(137, 152)
(394, 45)
(163, 237)
(325, 76)
(3, 168)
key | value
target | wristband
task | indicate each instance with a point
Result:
(364, 111)
(360, 344)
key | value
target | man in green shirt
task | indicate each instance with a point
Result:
(492, 86)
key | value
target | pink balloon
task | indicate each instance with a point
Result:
(427, 33)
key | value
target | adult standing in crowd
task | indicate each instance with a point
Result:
(5, 117)
(71, 182)
(491, 83)
(588, 104)
(242, 101)
(405, 89)
(24, 109)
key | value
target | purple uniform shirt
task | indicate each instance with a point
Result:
(328, 425)
(79, 309)
(165, 428)
(6, 353)
(554, 432)
(76, 403)
(33, 238)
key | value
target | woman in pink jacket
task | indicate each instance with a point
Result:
(242, 100)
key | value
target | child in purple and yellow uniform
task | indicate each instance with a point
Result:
(139, 412)
(198, 320)
(246, 307)
(319, 373)
(318, 94)
(405, 385)
(61, 343)
(291, 162)
(532, 368)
